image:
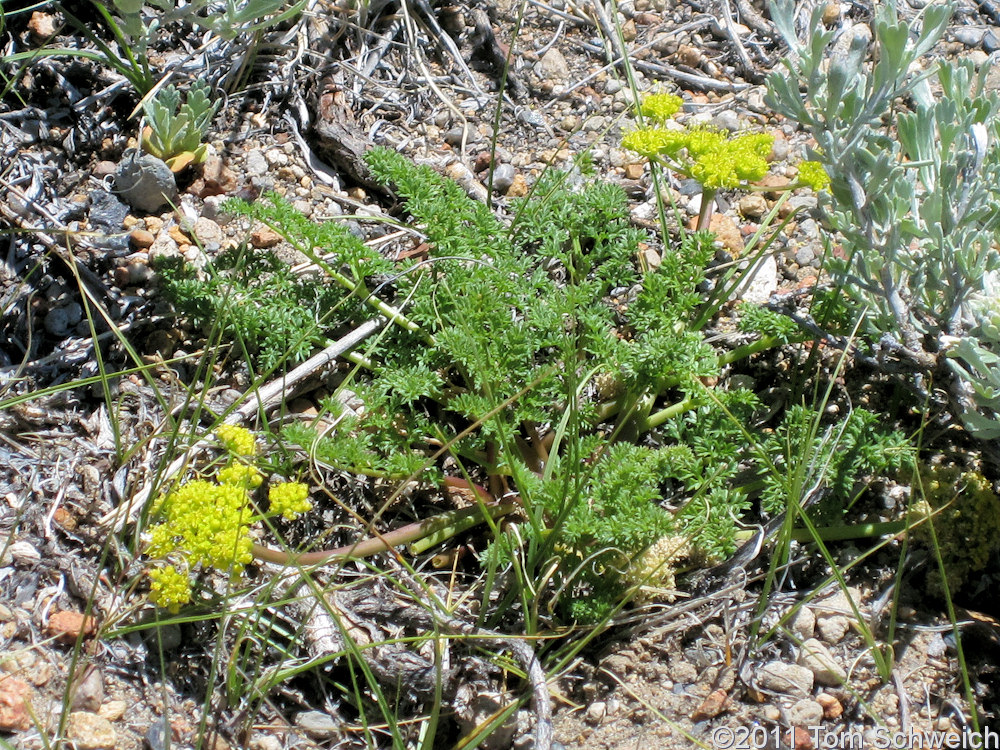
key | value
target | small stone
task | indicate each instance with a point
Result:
(455, 136)
(803, 738)
(832, 628)
(805, 713)
(265, 742)
(60, 321)
(629, 32)
(88, 691)
(726, 234)
(317, 724)
(141, 239)
(163, 248)
(712, 706)
(753, 205)
(652, 258)
(969, 36)
(484, 160)
(803, 624)
(817, 658)
(835, 613)
(790, 679)
(689, 55)
(145, 182)
(727, 119)
(256, 162)
(832, 709)
(104, 168)
(264, 238)
(207, 231)
(67, 626)
(831, 13)
(178, 235)
(113, 710)
(553, 66)
(15, 701)
(779, 147)
(518, 187)
(213, 209)
(596, 712)
(634, 171)
(89, 731)
(503, 178)
(43, 26)
(156, 735)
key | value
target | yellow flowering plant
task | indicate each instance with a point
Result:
(207, 522)
(716, 160)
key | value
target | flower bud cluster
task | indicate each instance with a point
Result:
(713, 158)
(207, 523)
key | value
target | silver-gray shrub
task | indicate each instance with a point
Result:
(913, 154)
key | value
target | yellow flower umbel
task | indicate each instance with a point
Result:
(812, 174)
(237, 440)
(713, 158)
(170, 588)
(661, 107)
(289, 499)
(208, 523)
(240, 475)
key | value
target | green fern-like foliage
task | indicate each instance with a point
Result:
(542, 341)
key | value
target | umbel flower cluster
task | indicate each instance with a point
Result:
(713, 158)
(207, 523)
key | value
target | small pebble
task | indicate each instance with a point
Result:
(753, 205)
(113, 710)
(970, 36)
(256, 163)
(817, 658)
(66, 626)
(596, 712)
(317, 724)
(145, 182)
(156, 735)
(15, 697)
(518, 187)
(790, 679)
(89, 731)
(88, 693)
(503, 178)
(727, 119)
(805, 713)
(141, 239)
(264, 238)
(832, 708)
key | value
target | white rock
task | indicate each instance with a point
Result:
(759, 282)
(790, 679)
(816, 657)
(803, 625)
(805, 713)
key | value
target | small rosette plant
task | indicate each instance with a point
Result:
(716, 160)
(206, 523)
